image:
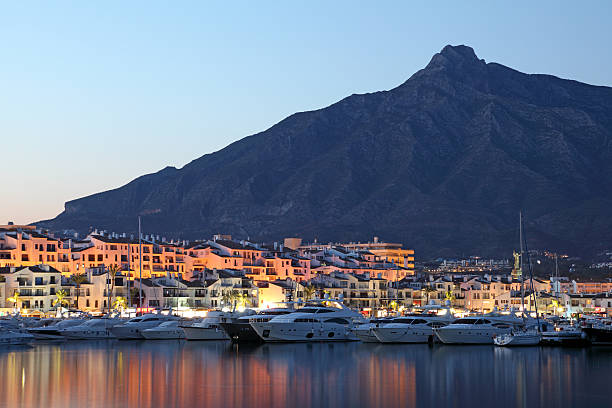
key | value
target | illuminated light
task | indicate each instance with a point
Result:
(226, 309)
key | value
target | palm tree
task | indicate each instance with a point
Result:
(112, 272)
(14, 298)
(60, 299)
(226, 298)
(120, 303)
(450, 296)
(309, 292)
(78, 279)
(242, 299)
(427, 290)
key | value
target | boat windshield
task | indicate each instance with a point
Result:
(307, 310)
(465, 321)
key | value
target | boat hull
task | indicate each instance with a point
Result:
(241, 332)
(569, 339)
(509, 340)
(302, 332)
(204, 333)
(171, 334)
(452, 335)
(15, 338)
(598, 336)
(403, 334)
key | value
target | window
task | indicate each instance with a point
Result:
(337, 320)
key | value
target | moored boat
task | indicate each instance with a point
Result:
(326, 320)
(165, 331)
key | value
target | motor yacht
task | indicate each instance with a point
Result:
(411, 329)
(132, 329)
(92, 329)
(329, 320)
(208, 328)
(364, 331)
(165, 331)
(599, 332)
(477, 329)
(54, 331)
(240, 330)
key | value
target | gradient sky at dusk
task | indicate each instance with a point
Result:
(94, 94)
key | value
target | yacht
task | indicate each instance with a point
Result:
(165, 331)
(92, 329)
(132, 329)
(411, 329)
(327, 321)
(54, 331)
(477, 329)
(240, 330)
(207, 329)
(364, 331)
(599, 333)
(9, 337)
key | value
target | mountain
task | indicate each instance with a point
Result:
(442, 163)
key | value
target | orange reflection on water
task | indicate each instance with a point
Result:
(214, 374)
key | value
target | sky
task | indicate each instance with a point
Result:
(95, 94)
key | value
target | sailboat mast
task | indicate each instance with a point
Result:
(521, 265)
(140, 260)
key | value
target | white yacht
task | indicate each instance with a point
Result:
(327, 321)
(54, 331)
(165, 331)
(364, 331)
(132, 329)
(92, 329)
(207, 329)
(477, 329)
(411, 329)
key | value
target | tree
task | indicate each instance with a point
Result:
(112, 272)
(120, 303)
(60, 299)
(428, 290)
(78, 279)
(309, 292)
(15, 299)
(450, 296)
(226, 298)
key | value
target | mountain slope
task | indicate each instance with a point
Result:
(443, 163)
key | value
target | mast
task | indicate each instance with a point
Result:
(532, 287)
(140, 260)
(521, 266)
(129, 275)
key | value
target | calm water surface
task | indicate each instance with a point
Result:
(217, 374)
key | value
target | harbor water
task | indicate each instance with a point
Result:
(219, 374)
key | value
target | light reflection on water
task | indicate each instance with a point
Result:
(213, 374)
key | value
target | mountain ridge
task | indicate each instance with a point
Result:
(443, 162)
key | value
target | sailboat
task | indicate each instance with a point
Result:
(526, 335)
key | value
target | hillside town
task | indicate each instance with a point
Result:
(105, 270)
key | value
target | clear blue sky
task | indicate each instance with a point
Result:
(94, 94)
